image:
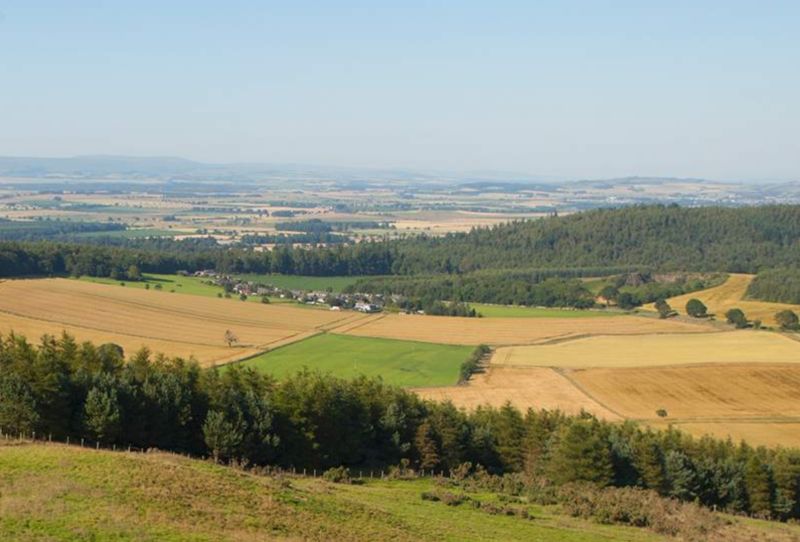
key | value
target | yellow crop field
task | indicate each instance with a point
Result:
(743, 346)
(176, 325)
(529, 387)
(508, 331)
(728, 295)
(757, 402)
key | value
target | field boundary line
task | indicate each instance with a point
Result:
(565, 374)
(361, 323)
(267, 350)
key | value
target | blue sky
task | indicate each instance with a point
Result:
(558, 89)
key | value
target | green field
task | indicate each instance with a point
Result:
(168, 283)
(516, 311)
(299, 282)
(180, 285)
(402, 363)
(56, 492)
(134, 233)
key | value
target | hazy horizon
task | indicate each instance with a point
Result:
(556, 90)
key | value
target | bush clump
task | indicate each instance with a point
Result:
(338, 475)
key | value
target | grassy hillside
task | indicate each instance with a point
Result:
(401, 363)
(54, 492)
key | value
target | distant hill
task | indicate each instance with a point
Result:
(743, 239)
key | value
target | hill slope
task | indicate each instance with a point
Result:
(55, 492)
(663, 237)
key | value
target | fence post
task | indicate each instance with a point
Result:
(67, 440)
(97, 445)
(81, 442)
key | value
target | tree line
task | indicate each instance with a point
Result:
(311, 420)
(779, 285)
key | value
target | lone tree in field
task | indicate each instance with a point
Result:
(696, 309)
(737, 318)
(230, 337)
(788, 320)
(663, 308)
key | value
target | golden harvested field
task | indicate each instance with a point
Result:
(176, 325)
(743, 346)
(529, 387)
(728, 295)
(508, 331)
(773, 433)
(743, 384)
(760, 403)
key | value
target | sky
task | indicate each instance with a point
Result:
(560, 89)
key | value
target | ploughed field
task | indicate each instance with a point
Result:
(175, 325)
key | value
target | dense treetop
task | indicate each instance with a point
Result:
(664, 238)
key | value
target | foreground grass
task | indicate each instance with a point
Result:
(517, 311)
(401, 363)
(53, 492)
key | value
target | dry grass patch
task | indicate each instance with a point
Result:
(173, 324)
(508, 331)
(731, 294)
(745, 346)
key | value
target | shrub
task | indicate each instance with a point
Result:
(737, 318)
(471, 365)
(696, 308)
(638, 508)
(788, 320)
(338, 475)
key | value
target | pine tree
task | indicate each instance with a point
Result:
(581, 455)
(759, 487)
(509, 431)
(427, 448)
(649, 463)
(102, 415)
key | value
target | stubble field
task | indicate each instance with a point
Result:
(508, 331)
(176, 325)
(744, 346)
(730, 295)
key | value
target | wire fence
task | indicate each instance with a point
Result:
(403, 471)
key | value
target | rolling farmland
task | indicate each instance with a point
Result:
(742, 384)
(516, 311)
(172, 324)
(729, 295)
(744, 346)
(508, 331)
